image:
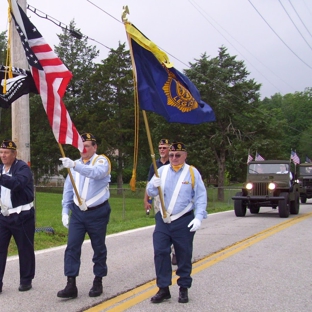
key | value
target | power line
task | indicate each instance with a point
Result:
(212, 81)
(294, 24)
(200, 10)
(279, 36)
(300, 19)
(105, 12)
(80, 35)
(74, 33)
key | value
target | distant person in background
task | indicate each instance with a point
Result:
(283, 170)
(17, 216)
(308, 170)
(163, 149)
(259, 169)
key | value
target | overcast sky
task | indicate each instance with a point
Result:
(272, 37)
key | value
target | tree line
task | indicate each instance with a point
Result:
(100, 100)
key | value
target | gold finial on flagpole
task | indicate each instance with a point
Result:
(124, 14)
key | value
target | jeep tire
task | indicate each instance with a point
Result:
(239, 207)
(283, 206)
(294, 205)
(254, 209)
(303, 199)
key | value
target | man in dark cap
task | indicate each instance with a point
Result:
(185, 200)
(163, 148)
(17, 217)
(90, 213)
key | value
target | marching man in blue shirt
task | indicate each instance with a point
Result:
(185, 200)
(89, 214)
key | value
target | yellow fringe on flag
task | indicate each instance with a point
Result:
(136, 133)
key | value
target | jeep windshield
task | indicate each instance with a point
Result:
(306, 170)
(269, 168)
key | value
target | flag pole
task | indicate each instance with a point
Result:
(71, 176)
(164, 212)
(125, 20)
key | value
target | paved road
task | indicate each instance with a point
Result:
(257, 263)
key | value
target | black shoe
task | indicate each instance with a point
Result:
(24, 287)
(1, 284)
(174, 259)
(162, 294)
(97, 288)
(70, 291)
(183, 296)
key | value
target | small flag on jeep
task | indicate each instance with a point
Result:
(259, 157)
(294, 157)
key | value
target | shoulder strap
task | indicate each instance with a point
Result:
(109, 163)
(87, 180)
(192, 176)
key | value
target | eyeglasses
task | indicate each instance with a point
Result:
(175, 155)
(162, 147)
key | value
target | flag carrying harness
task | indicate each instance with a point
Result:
(87, 181)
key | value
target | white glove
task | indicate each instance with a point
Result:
(167, 219)
(65, 219)
(195, 223)
(156, 181)
(83, 206)
(67, 162)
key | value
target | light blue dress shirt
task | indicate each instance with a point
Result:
(187, 194)
(99, 175)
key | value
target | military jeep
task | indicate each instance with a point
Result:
(305, 181)
(269, 183)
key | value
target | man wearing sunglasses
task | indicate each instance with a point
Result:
(185, 200)
(163, 149)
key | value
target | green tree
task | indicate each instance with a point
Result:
(79, 58)
(240, 123)
(295, 110)
(111, 107)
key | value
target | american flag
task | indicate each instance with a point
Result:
(258, 157)
(294, 157)
(51, 77)
(249, 158)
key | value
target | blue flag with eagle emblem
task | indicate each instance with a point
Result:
(163, 89)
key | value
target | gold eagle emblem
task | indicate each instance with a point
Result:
(177, 95)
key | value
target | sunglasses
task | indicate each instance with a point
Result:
(162, 147)
(175, 155)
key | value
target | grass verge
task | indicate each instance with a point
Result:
(127, 213)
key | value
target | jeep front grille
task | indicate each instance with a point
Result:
(307, 182)
(260, 189)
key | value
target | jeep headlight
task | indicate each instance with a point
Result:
(249, 186)
(271, 186)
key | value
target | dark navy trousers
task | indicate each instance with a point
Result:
(94, 223)
(178, 234)
(22, 227)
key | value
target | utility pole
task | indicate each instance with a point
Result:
(20, 108)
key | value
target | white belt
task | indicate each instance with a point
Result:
(181, 213)
(7, 211)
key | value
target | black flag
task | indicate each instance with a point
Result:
(21, 83)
